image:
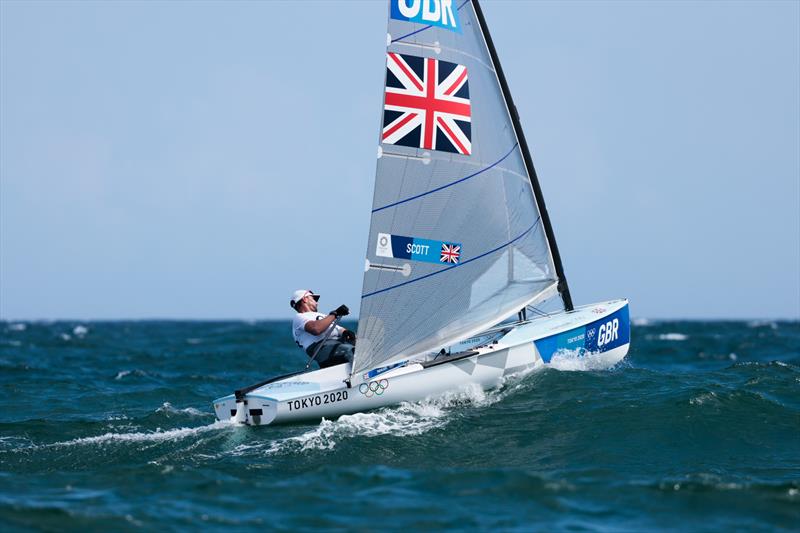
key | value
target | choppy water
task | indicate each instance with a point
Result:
(109, 426)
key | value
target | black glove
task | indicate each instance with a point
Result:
(349, 337)
(340, 311)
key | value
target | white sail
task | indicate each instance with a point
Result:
(456, 241)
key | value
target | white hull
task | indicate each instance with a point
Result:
(599, 328)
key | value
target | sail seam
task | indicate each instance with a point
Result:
(426, 27)
(518, 237)
(437, 189)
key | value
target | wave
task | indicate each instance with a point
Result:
(704, 482)
(140, 436)
(122, 374)
(742, 400)
(15, 441)
(405, 420)
(575, 361)
(763, 324)
(673, 337)
(705, 398)
(168, 409)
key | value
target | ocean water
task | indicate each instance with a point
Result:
(108, 426)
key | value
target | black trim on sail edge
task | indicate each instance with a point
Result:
(563, 287)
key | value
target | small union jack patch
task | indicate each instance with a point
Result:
(450, 253)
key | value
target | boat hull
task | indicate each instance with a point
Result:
(601, 330)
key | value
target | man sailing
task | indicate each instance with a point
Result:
(311, 328)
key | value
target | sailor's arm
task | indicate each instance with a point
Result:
(318, 327)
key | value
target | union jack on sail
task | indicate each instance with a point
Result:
(427, 104)
(450, 253)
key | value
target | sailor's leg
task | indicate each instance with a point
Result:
(340, 353)
(344, 353)
(325, 353)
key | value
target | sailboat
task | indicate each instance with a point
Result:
(460, 244)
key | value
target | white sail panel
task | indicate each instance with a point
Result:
(456, 241)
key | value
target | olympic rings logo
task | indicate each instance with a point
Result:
(373, 387)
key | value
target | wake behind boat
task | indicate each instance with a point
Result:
(459, 240)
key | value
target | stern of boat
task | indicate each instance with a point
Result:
(252, 410)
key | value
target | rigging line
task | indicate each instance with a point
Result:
(426, 27)
(518, 237)
(481, 171)
(537, 311)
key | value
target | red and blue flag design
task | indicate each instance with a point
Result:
(427, 104)
(450, 253)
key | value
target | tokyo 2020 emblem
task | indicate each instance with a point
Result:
(373, 388)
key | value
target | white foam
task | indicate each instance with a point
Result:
(574, 361)
(642, 322)
(123, 373)
(14, 441)
(193, 340)
(706, 397)
(154, 436)
(21, 326)
(406, 419)
(167, 407)
(80, 331)
(65, 337)
(762, 323)
(673, 337)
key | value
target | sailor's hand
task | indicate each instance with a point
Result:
(348, 337)
(340, 311)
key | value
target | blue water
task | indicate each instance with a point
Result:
(108, 425)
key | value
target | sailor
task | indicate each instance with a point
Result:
(311, 330)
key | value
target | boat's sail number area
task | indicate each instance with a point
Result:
(608, 333)
(601, 335)
(320, 399)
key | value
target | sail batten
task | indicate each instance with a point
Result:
(448, 184)
(456, 238)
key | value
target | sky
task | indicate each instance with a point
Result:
(202, 160)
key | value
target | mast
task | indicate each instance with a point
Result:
(563, 287)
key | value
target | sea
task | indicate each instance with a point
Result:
(108, 426)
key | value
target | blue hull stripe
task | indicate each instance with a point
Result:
(604, 334)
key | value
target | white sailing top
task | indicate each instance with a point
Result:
(306, 339)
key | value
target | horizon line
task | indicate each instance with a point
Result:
(355, 319)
